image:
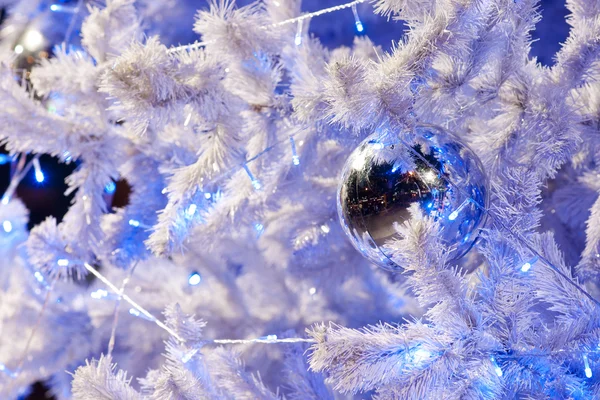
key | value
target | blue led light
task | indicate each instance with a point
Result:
(191, 210)
(39, 176)
(110, 187)
(357, 22)
(527, 265)
(497, 368)
(54, 7)
(586, 363)
(194, 279)
(99, 294)
(134, 223)
(255, 182)
(295, 157)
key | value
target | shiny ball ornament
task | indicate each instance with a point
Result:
(390, 171)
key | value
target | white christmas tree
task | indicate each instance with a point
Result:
(228, 275)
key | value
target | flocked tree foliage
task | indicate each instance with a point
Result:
(233, 148)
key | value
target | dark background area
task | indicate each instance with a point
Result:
(48, 199)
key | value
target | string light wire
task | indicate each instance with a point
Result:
(297, 20)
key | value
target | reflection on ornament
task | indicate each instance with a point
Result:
(389, 172)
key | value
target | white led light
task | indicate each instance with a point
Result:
(63, 262)
(33, 40)
(194, 279)
(38, 276)
(7, 225)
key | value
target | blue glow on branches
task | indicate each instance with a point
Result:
(420, 355)
(194, 279)
(7, 226)
(4, 159)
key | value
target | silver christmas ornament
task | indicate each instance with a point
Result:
(388, 172)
